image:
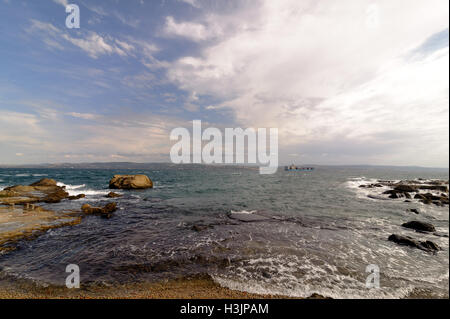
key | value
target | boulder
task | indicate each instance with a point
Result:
(56, 196)
(45, 182)
(130, 182)
(113, 195)
(76, 197)
(411, 242)
(403, 240)
(420, 226)
(405, 188)
(414, 210)
(105, 212)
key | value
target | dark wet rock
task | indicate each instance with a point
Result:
(76, 197)
(370, 185)
(429, 245)
(411, 242)
(266, 274)
(405, 188)
(199, 228)
(130, 182)
(414, 210)
(403, 240)
(106, 211)
(56, 196)
(407, 201)
(420, 196)
(45, 182)
(113, 195)
(440, 234)
(420, 226)
(407, 195)
(394, 194)
(440, 188)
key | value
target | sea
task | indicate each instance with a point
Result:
(291, 233)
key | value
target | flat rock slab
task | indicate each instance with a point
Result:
(17, 223)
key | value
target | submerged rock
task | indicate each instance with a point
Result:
(406, 188)
(106, 211)
(411, 242)
(420, 226)
(130, 182)
(414, 210)
(440, 188)
(113, 195)
(76, 197)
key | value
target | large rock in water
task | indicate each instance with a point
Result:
(130, 182)
(420, 226)
(45, 182)
(411, 242)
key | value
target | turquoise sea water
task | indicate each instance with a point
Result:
(292, 233)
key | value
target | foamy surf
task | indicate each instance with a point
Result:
(75, 190)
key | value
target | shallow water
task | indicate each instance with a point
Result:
(308, 232)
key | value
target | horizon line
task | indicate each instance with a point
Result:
(29, 165)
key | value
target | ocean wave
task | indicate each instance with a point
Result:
(23, 175)
(75, 190)
(279, 275)
(249, 212)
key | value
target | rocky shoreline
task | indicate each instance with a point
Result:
(427, 192)
(20, 205)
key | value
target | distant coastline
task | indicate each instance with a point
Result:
(142, 165)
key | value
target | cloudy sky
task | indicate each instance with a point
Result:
(345, 82)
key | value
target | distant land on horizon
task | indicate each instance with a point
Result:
(136, 165)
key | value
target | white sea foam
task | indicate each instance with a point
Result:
(323, 279)
(244, 212)
(23, 175)
(75, 190)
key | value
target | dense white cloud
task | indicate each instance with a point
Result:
(335, 72)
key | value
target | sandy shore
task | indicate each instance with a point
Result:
(186, 288)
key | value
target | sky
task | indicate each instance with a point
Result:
(345, 82)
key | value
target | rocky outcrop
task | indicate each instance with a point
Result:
(440, 188)
(405, 188)
(113, 195)
(46, 191)
(56, 196)
(105, 211)
(130, 182)
(419, 226)
(45, 182)
(411, 242)
(76, 197)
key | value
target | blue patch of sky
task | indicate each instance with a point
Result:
(66, 77)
